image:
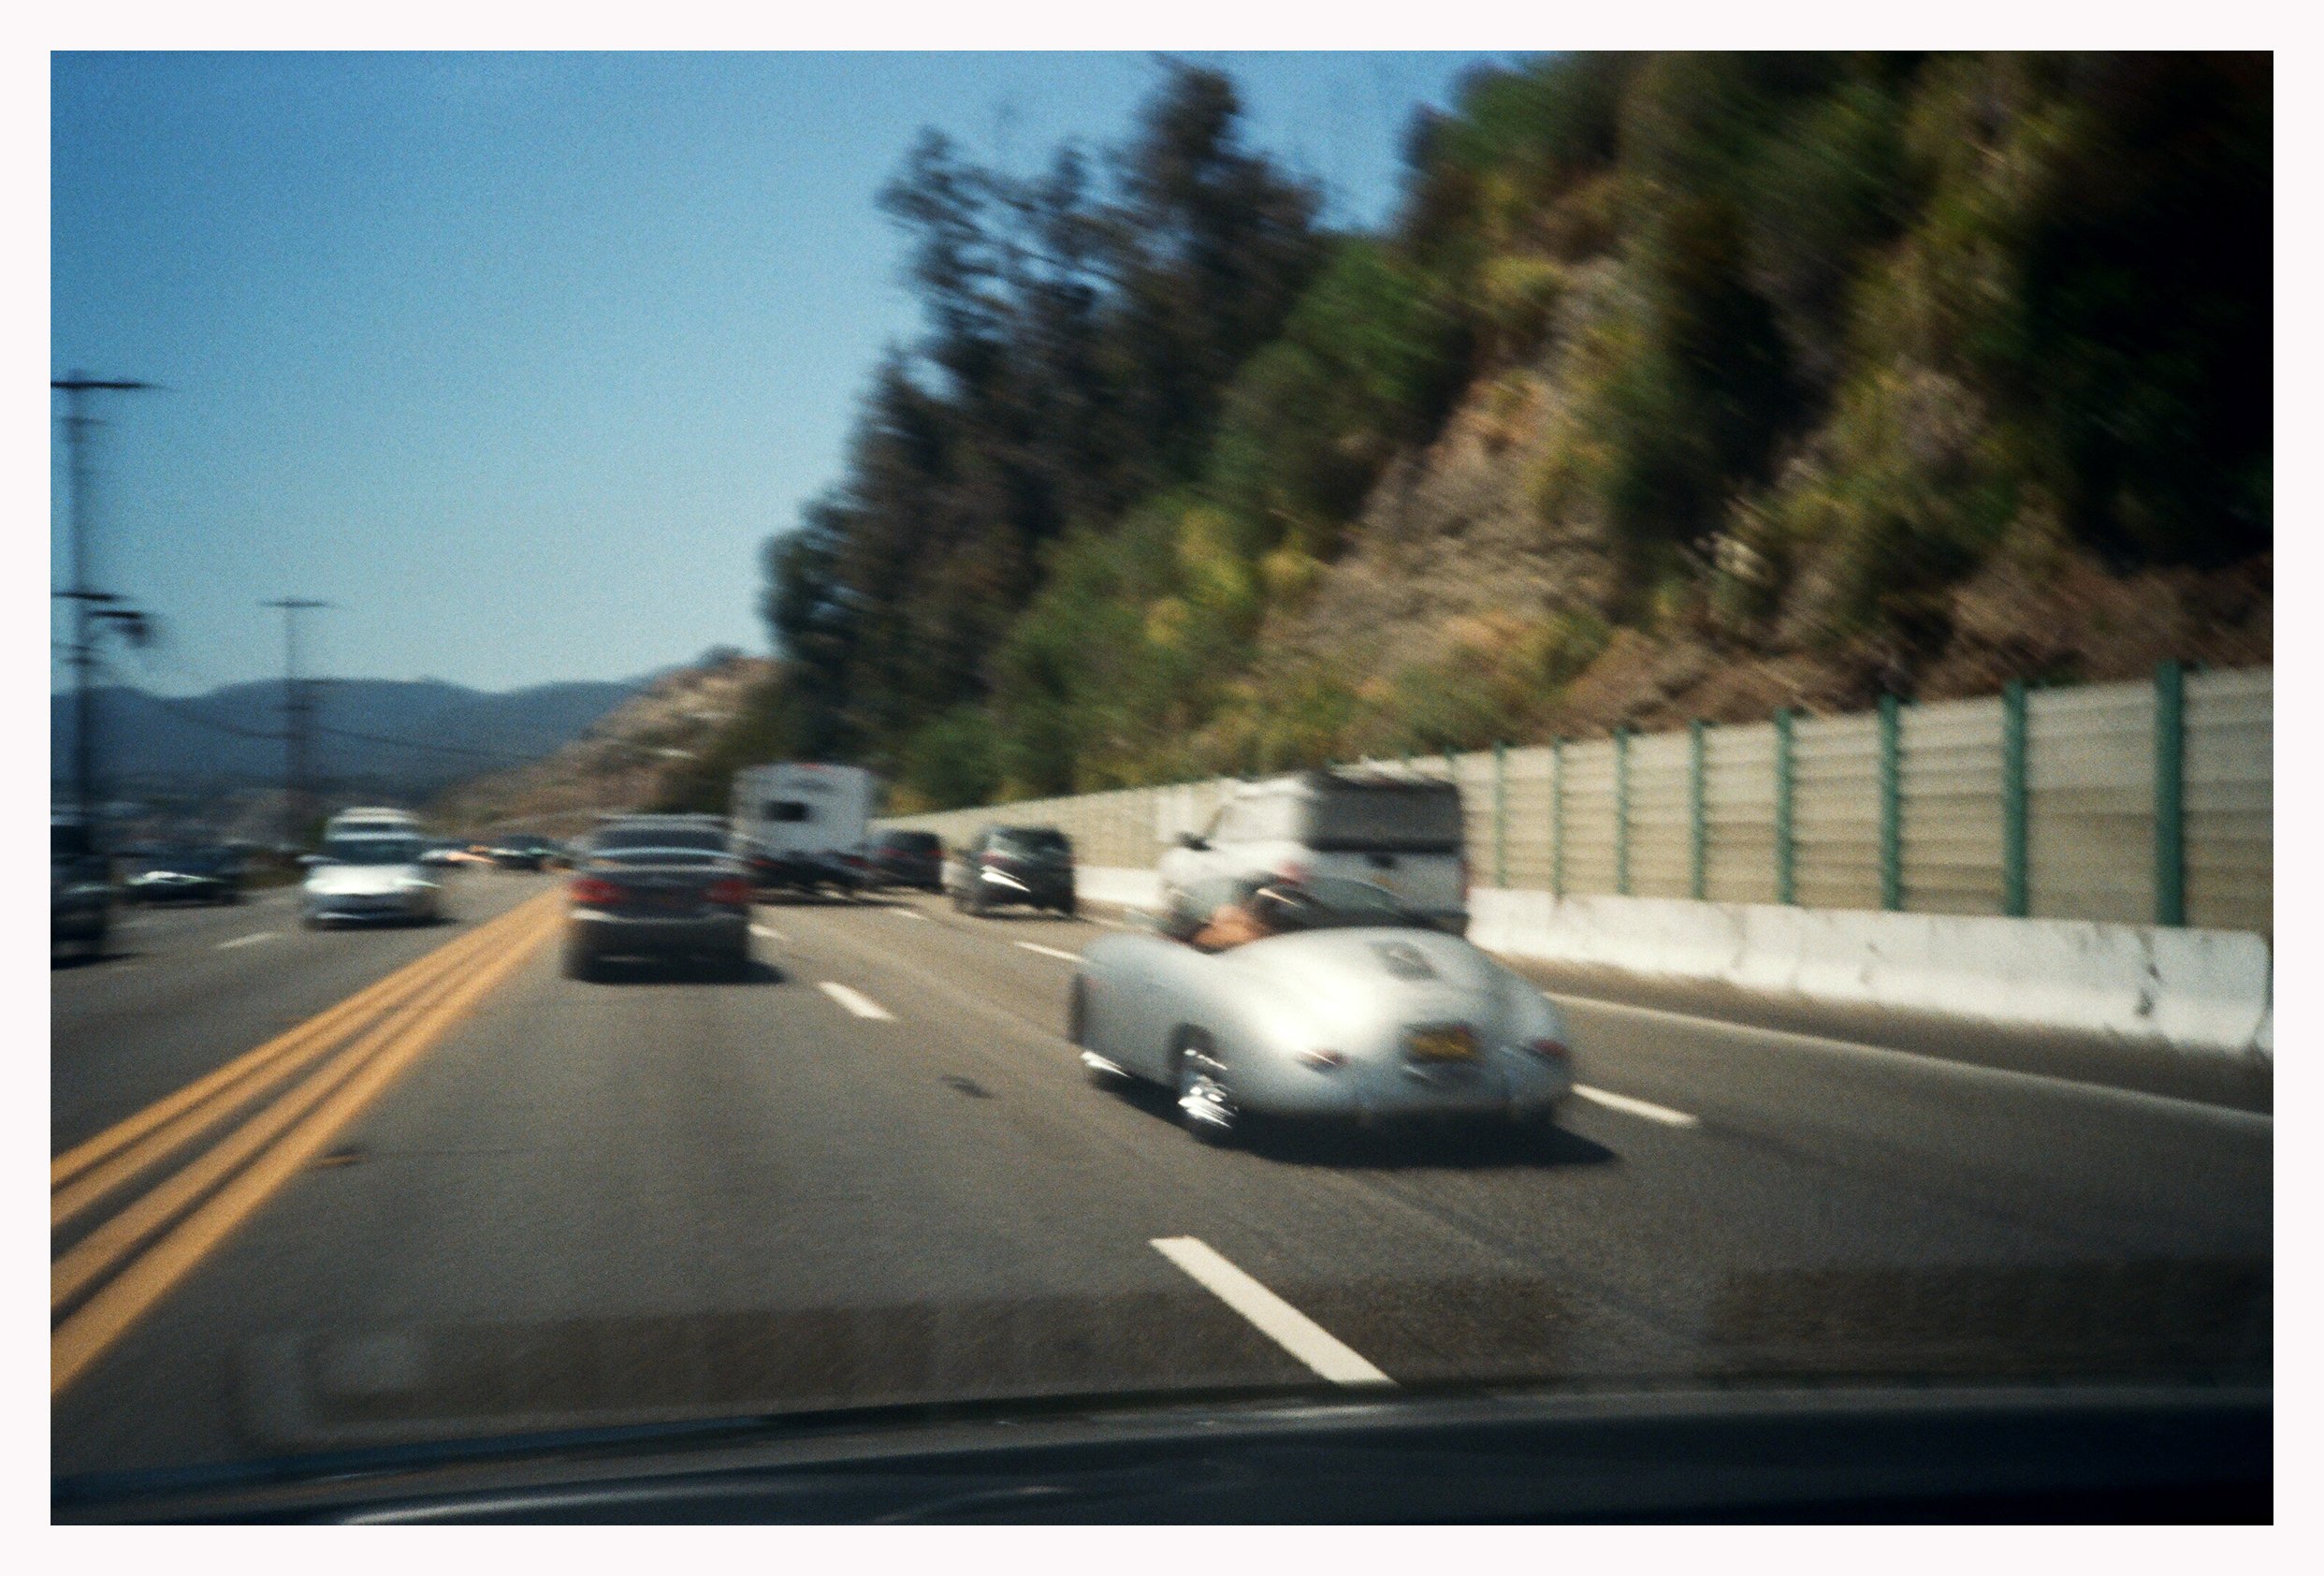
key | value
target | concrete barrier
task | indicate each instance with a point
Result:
(2208, 990)
(1131, 889)
(2197, 990)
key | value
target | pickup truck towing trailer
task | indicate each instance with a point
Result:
(800, 825)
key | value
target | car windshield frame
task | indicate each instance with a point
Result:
(1342, 904)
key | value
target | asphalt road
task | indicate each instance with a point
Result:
(875, 1173)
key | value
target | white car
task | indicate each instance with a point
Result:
(371, 877)
(1399, 831)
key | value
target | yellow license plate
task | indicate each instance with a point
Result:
(1456, 1043)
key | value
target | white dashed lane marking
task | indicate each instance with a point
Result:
(856, 1001)
(769, 932)
(245, 940)
(1646, 1109)
(1282, 1323)
(1050, 952)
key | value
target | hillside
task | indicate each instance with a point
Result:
(1472, 621)
(1677, 386)
(633, 757)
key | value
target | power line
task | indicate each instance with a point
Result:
(177, 707)
(212, 723)
(415, 744)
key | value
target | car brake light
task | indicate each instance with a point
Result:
(733, 891)
(593, 889)
(1550, 1050)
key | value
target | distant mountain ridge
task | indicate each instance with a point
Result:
(422, 734)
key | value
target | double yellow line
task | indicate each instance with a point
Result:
(113, 1275)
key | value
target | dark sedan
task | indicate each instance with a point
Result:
(902, 858)
(521, 851)
(658, 887)
(80, 893)
(185, 875)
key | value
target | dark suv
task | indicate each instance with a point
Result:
(81, 891)
(902, 858)
(1028, 865)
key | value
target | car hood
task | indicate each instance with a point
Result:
(1344, 980)
(361, 880)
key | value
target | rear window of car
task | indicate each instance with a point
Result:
(789, 809)
(1031, 839)
(358, 850)
(1349, 818)
(624, 840)
(910, 842)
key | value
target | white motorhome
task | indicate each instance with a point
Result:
(362, 820)
(802, 825)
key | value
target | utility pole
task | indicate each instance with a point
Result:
(85, 598)
(296, 709)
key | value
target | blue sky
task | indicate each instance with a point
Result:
(518, 358)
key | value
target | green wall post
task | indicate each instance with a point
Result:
(2013, 799)
(2169, 794)
(1892, 808)
(1501, 814)
(1557, 817)
(1698, 818)
(1783, 849)
(1622, 811)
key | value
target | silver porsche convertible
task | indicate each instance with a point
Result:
(1322, 999)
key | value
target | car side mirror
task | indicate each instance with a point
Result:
(1193, 840)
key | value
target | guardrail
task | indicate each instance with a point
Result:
(2137, 804)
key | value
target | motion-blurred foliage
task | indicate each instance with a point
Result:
(1851, 323)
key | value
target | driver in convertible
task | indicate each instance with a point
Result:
(1254, 910)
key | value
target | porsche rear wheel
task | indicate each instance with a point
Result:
(1204, 1105)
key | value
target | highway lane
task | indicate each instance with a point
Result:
(182, 990)
(665, 1195)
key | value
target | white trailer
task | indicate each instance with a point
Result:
(802, 825)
